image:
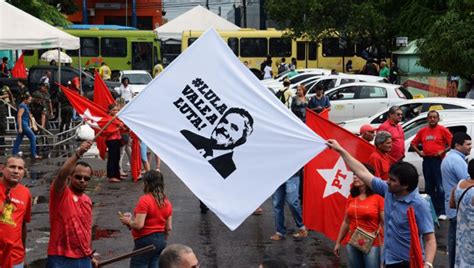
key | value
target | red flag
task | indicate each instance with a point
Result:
(136, 161)
(416, 254)
(327, 179)
(103, 98)
(324, 114)
(91, 113)
(102, 95)
(19, 70)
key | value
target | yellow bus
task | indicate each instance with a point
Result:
(120, 49)
(254, 45)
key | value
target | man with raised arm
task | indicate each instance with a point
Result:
(400, 192)
(70, 214)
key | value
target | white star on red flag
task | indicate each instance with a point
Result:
(338, 179)
(90, 119)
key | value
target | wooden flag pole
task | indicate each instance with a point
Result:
(106, 125)
(127, 255)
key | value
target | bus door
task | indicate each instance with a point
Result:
(306, 54)
(142, 56)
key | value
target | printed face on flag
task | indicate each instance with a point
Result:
(220, 130)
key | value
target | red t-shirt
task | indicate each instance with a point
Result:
(381, 163)
(12, 217)
(368, 216)
(156, 217)
(433, 139)
(398, 139)
(70, 216)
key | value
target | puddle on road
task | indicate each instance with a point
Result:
(41, 263)
(98, 233)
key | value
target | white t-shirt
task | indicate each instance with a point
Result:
(267, 72)
(126, 92)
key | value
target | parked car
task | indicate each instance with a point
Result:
(411, 109)
(362, 99)
(276, 84)
(138, 79)
(335, 80)
(455, 120)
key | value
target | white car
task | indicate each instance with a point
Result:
(138, 79)
(355, 100)
(411, 108)
(276, 84)
(335, 80)
(455, 120)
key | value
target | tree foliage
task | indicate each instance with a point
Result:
(44, 10)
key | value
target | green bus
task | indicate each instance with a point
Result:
(120, 49)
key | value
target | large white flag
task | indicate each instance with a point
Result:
(220, 130)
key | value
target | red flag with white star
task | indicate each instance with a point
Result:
(327, 180)
(91, 113)
(103, 98)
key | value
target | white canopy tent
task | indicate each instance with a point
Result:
(196, 19)
(20, 30)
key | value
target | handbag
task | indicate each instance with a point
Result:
(360, 238)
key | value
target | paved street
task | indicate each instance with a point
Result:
(214, 243)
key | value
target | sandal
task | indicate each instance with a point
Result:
(114, 180)
(38, 157)
(277, 237)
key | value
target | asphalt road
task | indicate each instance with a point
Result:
(214, 244)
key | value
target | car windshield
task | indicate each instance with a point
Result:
(138, 79)
(412, 128)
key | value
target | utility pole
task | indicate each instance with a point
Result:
(244, 10)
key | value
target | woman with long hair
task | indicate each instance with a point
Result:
(364, 210)
(113, 142)
(152, 220)
(299, 103)
(24, 127)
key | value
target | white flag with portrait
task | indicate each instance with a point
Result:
(220, 130)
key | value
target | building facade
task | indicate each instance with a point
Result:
(142, 14)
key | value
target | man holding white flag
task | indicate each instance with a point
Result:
(220, 130)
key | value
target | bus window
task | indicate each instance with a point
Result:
(89, 46)
(141, 59)
(312, 50)
(233, 43)
(28, 52)
(191, 41)
(113, 47)
(334, 47)
(253, 47)
(300, 51)
(280, 47)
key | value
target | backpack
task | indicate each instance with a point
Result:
(282, 68)
(281, 95)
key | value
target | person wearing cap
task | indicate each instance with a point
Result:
(151, 223)
(367, 132)
(380, 160)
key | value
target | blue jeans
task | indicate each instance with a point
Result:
(19, 138)
(358, 259)
(452, 241)
(149, 259)
(287, 191)
(61, 261)
(20, 265)
(434, 183)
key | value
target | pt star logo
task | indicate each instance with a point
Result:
(90, 119)
(338, 179)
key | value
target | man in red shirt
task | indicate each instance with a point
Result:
(435, 141)
(392, 126)
(15, 212)
(380, 160)
(70, 214)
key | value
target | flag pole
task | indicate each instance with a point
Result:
(103, 128)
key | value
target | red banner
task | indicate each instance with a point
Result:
(19, 70)
(327, 180)
(416, 254)
(103, 98)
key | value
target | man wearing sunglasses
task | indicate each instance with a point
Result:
(392, 126)
(15, 212)
(70, 214)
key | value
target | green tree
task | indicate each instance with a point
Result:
(42, 10)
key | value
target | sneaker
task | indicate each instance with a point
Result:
(277, 237)
(442, 217)
(302, 233)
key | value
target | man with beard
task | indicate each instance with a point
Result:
(232, 130)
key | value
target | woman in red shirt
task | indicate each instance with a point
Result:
(364, 209)
(113, 142)
(152, 220)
